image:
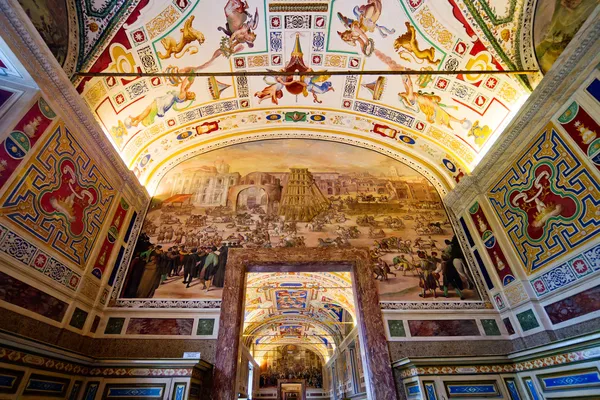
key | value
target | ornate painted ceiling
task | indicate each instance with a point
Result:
(308, 309)
(439, 125)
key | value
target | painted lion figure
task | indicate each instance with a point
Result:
(408, 44)
(188, 35)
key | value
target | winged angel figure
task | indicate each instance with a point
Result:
(316, 85)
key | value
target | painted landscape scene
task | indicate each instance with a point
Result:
(298, 193)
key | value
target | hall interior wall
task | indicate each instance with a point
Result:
(110, 332)
(556, 274)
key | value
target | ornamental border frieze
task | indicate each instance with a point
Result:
(12, 356)
(509, 367)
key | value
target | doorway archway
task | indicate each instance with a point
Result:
(378, 372)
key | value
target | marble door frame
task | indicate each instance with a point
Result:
(379, 379)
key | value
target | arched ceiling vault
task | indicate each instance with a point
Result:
(440, 124)
(301, 308)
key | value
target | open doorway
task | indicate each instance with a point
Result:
(284, 307)
(295, 325)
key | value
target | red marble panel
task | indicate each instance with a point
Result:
(21, 294)
(160, 326)
(444, 327)
(574, 306)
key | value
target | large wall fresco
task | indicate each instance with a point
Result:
(556, 23)
(61, 196)
(295, 193)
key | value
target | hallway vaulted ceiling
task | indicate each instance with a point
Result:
(310, 309)
(439, 125)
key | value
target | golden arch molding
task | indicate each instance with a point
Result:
(440, 178)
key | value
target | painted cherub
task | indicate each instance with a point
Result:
(316, 85)
(429, 104)
(366, 22)
(162, 104)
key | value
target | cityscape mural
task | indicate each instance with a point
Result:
(296, 193)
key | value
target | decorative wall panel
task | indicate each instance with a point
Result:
(584, 131)
(492, 246)
(578, 379)
(23, 251)
(114, 326)
(10, 380)
(574, 306)
(135, 391)
(117, 222)
(21, 294)
(62, 197)
(23, 137)
(513, 390)
(78, 318)
(472, 389)
(527, 320)
(46, 386)
(565, 274)
(396, 328)
(547, 201)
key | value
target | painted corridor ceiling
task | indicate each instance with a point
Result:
(308, 309)
(438, 125)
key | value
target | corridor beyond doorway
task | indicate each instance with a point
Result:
(297, 327)
(311, 273)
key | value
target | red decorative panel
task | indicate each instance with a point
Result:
(110, 239)
(23, 137)
(492, 246)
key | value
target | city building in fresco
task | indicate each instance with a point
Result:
(291, 200)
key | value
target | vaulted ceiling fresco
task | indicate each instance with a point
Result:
(442, 124)
(307, 309)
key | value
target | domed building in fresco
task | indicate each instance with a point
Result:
(296, 200)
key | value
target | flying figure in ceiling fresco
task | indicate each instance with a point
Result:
(239, 32)
(316, 85)
(366, 22)
(162, 104)
(239, 28)
(429, 104)
(305, 84)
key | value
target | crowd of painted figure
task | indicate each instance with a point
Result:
(430, 268)
(312, 376)
(153, 266)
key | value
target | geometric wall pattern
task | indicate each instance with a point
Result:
(22, 250)
(570, 271)
(547, 201)
(61, 197)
